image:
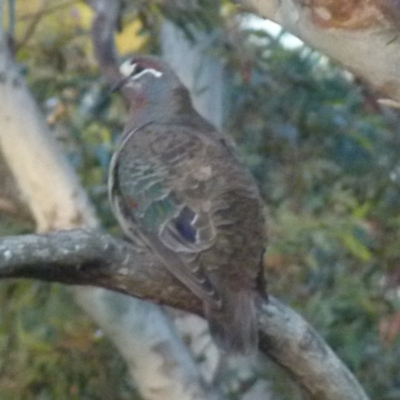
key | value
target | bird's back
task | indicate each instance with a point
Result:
(175, 163)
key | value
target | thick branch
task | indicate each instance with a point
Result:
(294, 344)
(95, 258)
(84, 257)
(363, 36)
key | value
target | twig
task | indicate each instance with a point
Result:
(103, 29)
(48, 10)
(30, 29)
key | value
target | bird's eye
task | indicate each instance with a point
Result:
(138, 69)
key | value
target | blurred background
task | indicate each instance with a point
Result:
(325, 155)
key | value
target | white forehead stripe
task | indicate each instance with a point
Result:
(152, 71)
(127, 69)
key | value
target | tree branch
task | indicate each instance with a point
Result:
(84, 257)
(88, 257)
(363, 36)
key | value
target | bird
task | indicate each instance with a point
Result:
(177, 186)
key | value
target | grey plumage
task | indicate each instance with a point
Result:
(177, 187)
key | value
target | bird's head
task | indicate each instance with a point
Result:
(148, 81)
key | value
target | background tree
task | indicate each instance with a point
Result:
(324, 153)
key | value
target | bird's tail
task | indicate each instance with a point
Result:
(234, 327)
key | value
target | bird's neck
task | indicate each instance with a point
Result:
(159, 110)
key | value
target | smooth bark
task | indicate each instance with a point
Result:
(363, 36)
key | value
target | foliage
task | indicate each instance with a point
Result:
(325, 157)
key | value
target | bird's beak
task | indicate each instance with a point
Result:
(120, 84)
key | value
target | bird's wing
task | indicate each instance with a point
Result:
(158, 190)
